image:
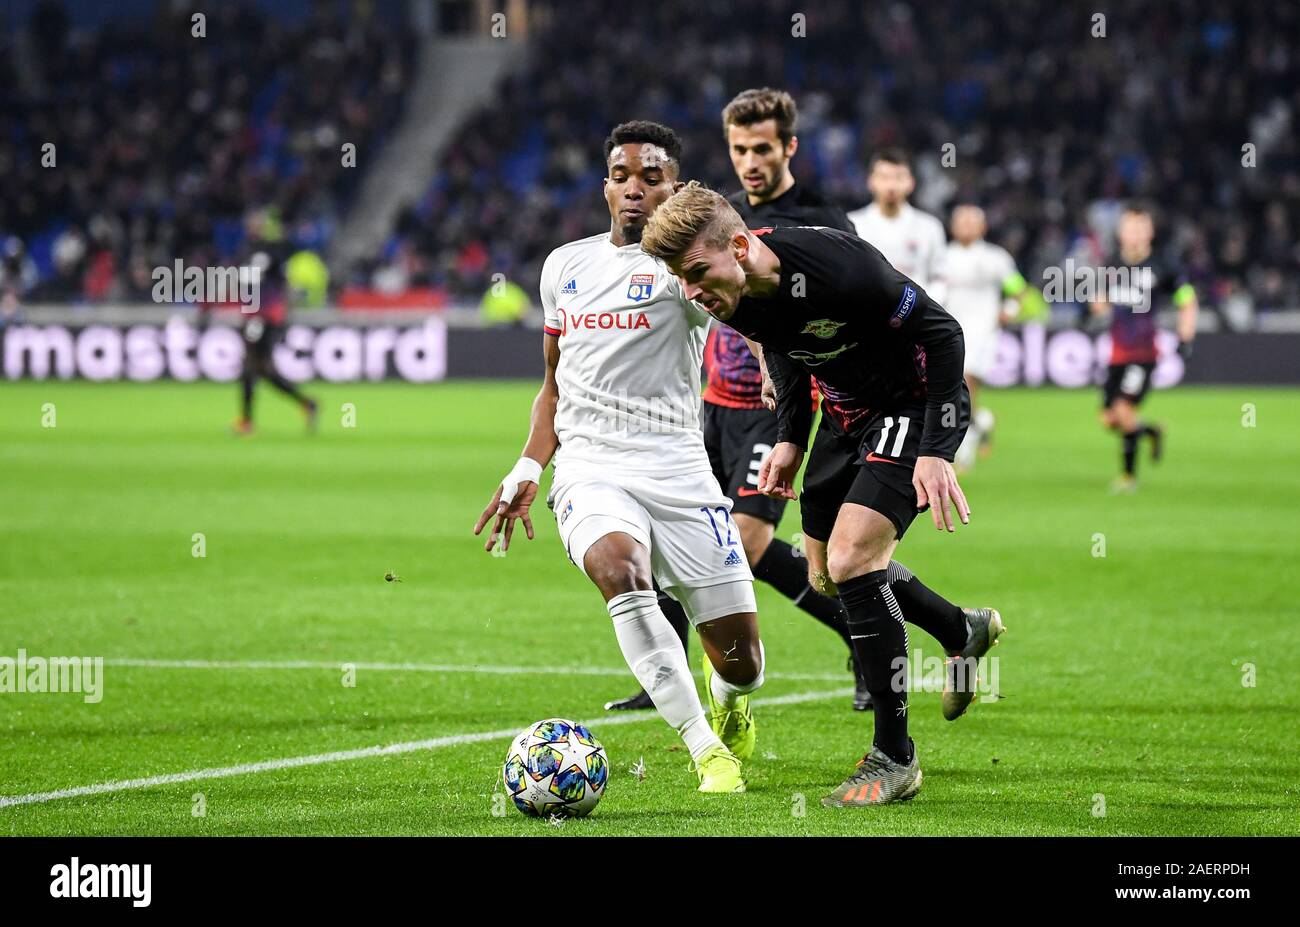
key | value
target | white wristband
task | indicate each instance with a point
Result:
(526, 470)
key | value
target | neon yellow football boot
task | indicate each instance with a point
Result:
(719, 771)
(734, 726)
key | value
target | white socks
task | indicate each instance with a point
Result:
(655, 656)
(727, 693)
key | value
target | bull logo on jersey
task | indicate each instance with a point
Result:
(640, 287)
(822, 328)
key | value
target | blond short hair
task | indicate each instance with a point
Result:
(692, 212)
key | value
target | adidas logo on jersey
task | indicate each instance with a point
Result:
(733, 558)
(570, 288)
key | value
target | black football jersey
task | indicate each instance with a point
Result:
(799, 205)
(1133, 297)
(874, 340)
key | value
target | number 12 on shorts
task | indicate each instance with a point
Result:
(726, 521)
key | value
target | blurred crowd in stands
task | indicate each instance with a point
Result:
(1052, 118)
(1051, 126)
(169, 145)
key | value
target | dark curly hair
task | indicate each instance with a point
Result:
(646, 132)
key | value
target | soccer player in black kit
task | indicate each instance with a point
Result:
(739, 430)
(1130, 303)
(888, 360)
(262, 331)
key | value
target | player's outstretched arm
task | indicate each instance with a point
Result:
(792, 386)
(768, 392)
(946, 414)
(946, 420)
(517, 491)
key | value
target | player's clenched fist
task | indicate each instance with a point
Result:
(510, 502)
(936, 486)
(776, 475)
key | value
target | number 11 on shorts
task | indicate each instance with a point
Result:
(726, 520)
(903, 422)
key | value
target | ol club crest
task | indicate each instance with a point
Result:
(640, 287)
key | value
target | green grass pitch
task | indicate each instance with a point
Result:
(1143, 692)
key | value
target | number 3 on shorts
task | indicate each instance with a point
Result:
(1134, 377)
(726, 520)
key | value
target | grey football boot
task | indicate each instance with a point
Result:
(961, 670)
(878, 780)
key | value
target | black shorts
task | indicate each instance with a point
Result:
(260, 338)
(737, 441)
(1126, 381)
(872, 466)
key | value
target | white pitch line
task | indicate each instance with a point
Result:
(340, 756)
(425, 668)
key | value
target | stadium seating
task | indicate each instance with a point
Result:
(1047, 127)
(172, 148)
(170, 145)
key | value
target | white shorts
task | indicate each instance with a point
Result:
(683, 521)
(981, 348)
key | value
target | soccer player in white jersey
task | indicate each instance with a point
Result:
(909, 238)
(980, 276)
(632, 491)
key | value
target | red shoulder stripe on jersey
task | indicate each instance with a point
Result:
(764, 230)
(552, 331)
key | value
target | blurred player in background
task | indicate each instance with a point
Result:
(262, 331)
(979, 276)
(1130, 302)
(739, 431)
(888, 359)
(909, 238)
(632, 491)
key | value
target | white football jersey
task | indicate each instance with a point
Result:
(631, 351)
(913, 241)
(975, 275)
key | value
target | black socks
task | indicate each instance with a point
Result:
(928, 610)
(1130, 442)
(246, 386)
(878, 637)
